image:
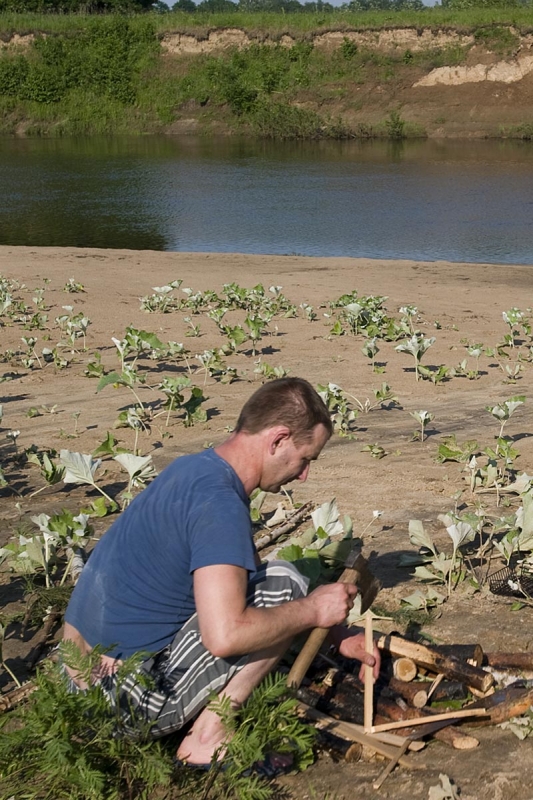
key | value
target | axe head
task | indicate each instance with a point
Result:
(358, 573)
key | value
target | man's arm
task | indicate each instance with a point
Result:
(230, 628)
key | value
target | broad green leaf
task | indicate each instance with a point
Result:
(434, 596)
(105, 380)
(304, 539)
(42, 521)
(100, 508)
(442, 564)
(22, 566)
(348, 527)
(107, 448)
(279, 516)
(337, 551)
(133, 464)
(35, 552)
(151, 339)
(320, 541)
(291, 553)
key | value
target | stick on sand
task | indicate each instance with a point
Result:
(408, 723)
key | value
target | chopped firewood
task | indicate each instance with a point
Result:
(404, 669)
(354, 753)
(512, 701)
(16, 696)
(472, 653)
(522, 661)
(415, 693)
(431, 659)
(449, 690)
(338, 748)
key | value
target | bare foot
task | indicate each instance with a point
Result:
(207, 737)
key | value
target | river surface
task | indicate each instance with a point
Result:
(425, 200)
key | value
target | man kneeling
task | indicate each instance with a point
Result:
(177, 578)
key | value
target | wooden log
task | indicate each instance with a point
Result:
(354, 753)
(404, 669)
(449, 690)
(431, 659)
(415, 693)
(472, 653)
(16, 696)
(54, 617)
(456, 738)
(450, 735)
(294, 520)
(512, 701)
(523, 661)
(338, 748)
(354, 733)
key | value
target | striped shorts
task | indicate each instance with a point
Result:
(184, 675)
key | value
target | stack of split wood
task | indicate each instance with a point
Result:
(424, 692)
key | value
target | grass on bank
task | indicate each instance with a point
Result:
(274, 25)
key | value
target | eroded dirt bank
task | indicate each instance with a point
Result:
(436, 82)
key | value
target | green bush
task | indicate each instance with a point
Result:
(64, 745)
(106, 59)
(13, 74)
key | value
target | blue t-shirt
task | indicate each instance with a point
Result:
(136, 590)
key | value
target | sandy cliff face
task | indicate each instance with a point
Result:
(411, 38)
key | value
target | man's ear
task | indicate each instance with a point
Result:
(277, 436)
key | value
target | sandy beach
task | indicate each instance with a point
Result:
(458, 304)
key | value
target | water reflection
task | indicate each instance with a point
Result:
(464, 201)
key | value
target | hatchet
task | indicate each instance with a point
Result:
(356, 572)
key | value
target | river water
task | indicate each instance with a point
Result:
(425, 200)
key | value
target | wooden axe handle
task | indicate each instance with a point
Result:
(315, 640)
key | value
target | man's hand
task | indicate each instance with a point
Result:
(332, 603)
(351, 644)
